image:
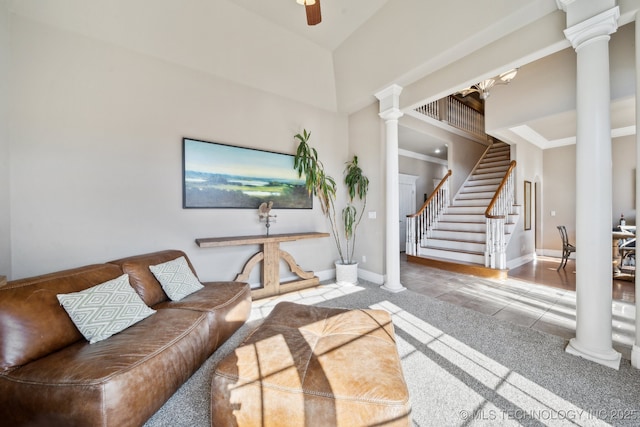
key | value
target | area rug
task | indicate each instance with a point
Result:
(462, 368)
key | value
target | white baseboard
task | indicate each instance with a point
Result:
(556, 253)
(517, 262)
(326, 275)
(376, 278)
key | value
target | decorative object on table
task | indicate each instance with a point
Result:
(323, 186)
(224, 176)
(622, 221)
(265, 215)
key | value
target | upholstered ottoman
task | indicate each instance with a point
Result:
(313, 366)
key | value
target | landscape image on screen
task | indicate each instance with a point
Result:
(225, 176)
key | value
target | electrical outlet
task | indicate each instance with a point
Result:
(364, 258)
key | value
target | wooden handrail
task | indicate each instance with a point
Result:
(424, 205)
(495, 196)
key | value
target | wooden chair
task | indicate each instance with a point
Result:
(567, 247)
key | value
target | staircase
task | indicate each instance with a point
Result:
(460, 232)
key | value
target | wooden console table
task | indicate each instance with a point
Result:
(270, 256)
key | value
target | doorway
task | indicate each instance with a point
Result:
(407, 195)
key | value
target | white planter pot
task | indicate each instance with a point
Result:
(346, 274)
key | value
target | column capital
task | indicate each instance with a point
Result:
(594, 28)
(390, 102)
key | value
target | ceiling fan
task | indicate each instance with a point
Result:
(312, 7)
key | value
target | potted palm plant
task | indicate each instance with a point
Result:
(323, 186)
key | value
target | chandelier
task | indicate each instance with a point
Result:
(485, 86)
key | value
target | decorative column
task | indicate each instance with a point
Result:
(594, 199)
(390, 112)
(635, 350)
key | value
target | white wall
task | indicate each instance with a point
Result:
(624, 179)
(5, 220)
(553, 78)
(425, 171)
(366, 140)
(96, 155)
(529, 167)
(559, 186)
(217, 37)
(408, 39)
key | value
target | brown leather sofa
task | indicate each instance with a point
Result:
(51, 376)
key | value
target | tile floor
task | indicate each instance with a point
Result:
(544, 308)
(532, 305)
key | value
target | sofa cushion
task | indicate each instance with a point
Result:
(105, 309)
(141, 278)
(176, 278)
(227, 304)
(33, 324)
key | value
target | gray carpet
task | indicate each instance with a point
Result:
(464, 368)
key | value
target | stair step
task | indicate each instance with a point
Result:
(466, 210)
(457, 245)
(471, 268)
(482, 170)
(478, 227)
(487, 175)
(498, 153)
(479, 189)
(459, 235)
(464, 217)
(476, 224)
(472, 195)
(494, 163)
(483, 203)
(483, 182)
(465, 256)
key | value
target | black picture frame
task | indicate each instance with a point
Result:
(216, 175)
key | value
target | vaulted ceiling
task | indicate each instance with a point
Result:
(431, 48)
(341, 19)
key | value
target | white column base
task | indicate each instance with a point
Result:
(610, 359)
(395, 289)
(635, 356)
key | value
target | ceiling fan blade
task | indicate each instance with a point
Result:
(313, 13)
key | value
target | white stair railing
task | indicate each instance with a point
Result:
(420, 224)
(497, 214)
(456, 114)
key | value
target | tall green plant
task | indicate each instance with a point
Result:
(323, 186)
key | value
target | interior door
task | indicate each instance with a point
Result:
(407, 195)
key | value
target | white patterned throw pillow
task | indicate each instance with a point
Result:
(106, 309)
(176, 278)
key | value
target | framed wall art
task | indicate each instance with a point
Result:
(527, 205)
(218, 175)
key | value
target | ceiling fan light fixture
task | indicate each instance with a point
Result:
(314, 16)
(306, 2)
